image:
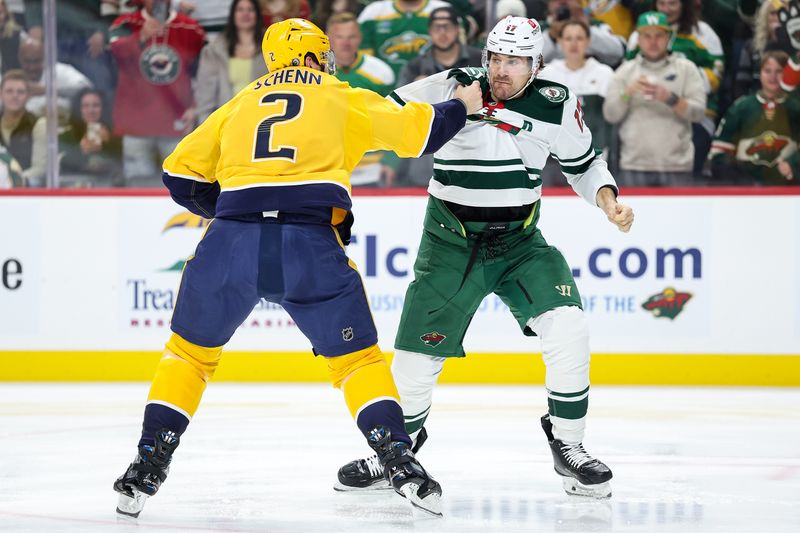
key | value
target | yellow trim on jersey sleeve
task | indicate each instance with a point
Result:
(197, 154)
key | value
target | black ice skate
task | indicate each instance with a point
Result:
(404, 473)
(145, 474)
(582, 474)
(367, 474)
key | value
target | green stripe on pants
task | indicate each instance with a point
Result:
(568, 410)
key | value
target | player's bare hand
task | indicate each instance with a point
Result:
(621, 216)
(471, 95)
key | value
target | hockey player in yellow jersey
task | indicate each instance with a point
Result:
(271, 167)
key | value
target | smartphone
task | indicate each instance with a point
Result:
(161, 10)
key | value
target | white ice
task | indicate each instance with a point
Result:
(263, 457)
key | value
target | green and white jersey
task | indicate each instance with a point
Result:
(757, 133)
(589, 84)
(393, 35)
(496, 160)
(368, 72)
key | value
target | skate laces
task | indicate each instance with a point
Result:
(374, 466)
(576, 455)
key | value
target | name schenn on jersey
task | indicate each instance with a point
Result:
(291, 75)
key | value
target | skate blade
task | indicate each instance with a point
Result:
(131, 507)
(573, 487)
(375, 487)
(432, 503)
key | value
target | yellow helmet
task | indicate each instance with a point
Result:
(286, 44)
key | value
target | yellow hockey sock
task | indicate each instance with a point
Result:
(364, 377)
(182, 374)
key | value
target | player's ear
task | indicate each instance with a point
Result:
(312, 63)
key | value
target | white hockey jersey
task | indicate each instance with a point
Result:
(497, 159)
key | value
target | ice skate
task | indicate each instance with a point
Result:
(582, 474)
(367, 474)
(145, 474)
(404, 473)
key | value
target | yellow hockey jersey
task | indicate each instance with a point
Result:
(288, 143)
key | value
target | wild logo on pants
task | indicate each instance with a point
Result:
(433, 339)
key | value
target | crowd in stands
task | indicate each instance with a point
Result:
(676, 92)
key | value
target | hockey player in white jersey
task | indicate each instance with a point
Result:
(481, 237)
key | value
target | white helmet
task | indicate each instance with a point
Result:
(516, 36)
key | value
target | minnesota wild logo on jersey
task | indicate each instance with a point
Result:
(553, 93)
(765, 149)
(160, 64)
(406, 45)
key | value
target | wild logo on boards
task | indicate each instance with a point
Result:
(669, 303)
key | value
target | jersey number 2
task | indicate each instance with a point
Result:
(263, 144)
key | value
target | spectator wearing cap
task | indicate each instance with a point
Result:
(655, 98)
(366, 72)
(396, 31)
(446, 50)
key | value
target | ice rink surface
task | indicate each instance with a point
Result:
(263, 457)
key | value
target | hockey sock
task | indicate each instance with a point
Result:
(369, 390)
(565, 350)
(180, 381)
(415, 375)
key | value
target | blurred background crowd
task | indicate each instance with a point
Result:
(676, 92)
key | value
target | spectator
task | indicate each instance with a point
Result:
(353, 65)
(654, 98)
(10, 36)
(397, 31)
(697, 42)
(586, 77)
(278, 10)
(21, 132)
(765, 38)
(154, 106)
(233, 58)
(10, 171)
(90, 154)
(757, 140)
(445, 52)
(81, 38)
(365, 72)
(605, 46)
(69, 80)
(325, 9)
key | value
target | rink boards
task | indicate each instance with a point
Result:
(704, 290)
